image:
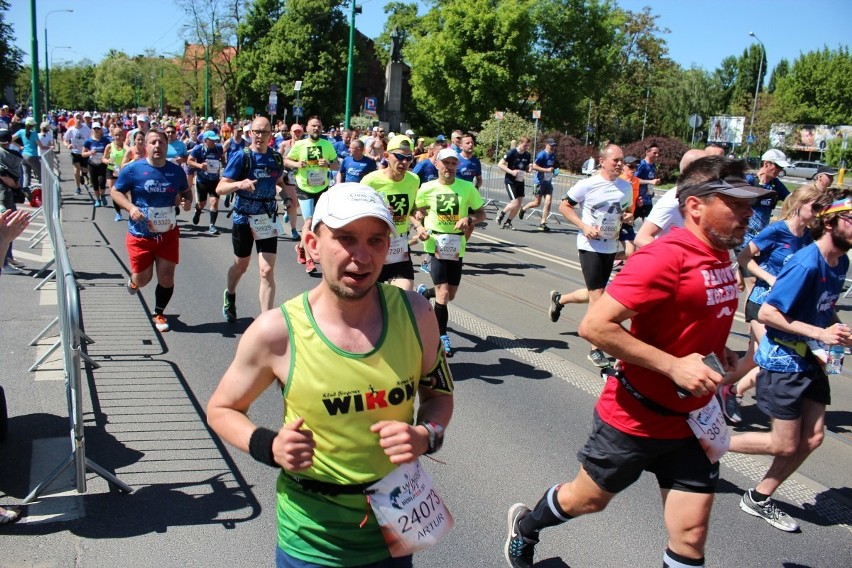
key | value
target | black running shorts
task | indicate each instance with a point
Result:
(597, 268)
(782, 395)
(615, 460)
(445, 271)
(241, 239)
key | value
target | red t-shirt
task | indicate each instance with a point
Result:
(685, 293)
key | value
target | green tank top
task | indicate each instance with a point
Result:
(116, 154)
(340, 395)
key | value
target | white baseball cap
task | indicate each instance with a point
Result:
(777, 157)
(347, 202)
(447, 153)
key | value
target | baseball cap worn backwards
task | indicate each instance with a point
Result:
(345, 203)
(730, 186)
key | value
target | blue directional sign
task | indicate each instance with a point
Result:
(298, 111)
(273, 108)
(751, 139)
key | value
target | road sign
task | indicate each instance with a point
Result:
(822, 144)
(272, 108)
(298, 111)
(751, 139)
(298, 86)
(695, 120)
(273, 87)
(370, 105)
(186, 107)
(498, 115)
(536, 114)
(273, 97)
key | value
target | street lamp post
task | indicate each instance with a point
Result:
(46, 61)
(756, 89)
(350, 68)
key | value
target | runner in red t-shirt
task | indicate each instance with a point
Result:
(680, 295)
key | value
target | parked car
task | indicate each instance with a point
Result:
(806, 170)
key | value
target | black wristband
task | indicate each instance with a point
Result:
(260, 446)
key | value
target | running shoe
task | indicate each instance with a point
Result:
(521, 213)
(97, 202)
(78, 191)
(769, 512)
(213, 230)
(118, 217)
(500, 217)
(448, 348)
(421, 289)
(301, 257)
(11, 269)
(730, 403)
(426, 266)
(104, 201)
(518, 551)
(508, 225)
(229, 307)
(161, 323)
(16, 262)
(294, 234)
(310, 266)
(598, 357)
(554, 307)
(131, 287)
(196, 217)
(544, 228)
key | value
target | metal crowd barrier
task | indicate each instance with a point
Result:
(71, 339)
(494, 190)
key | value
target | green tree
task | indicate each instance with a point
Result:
(818, 88)
(115, 81)
(781, 70)
(573, 50)
(10, 56)
(725, 76)
(511, 127)
(748, 66)
(402, 17)
(470, 58)
(308, 42)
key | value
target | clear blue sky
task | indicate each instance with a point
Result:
(702, 32)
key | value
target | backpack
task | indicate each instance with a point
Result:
(248, 161)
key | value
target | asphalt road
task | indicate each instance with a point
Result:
(524, 398)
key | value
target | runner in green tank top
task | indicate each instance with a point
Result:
(349, 386)
(113, 156)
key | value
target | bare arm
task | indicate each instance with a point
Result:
(570, 214)
(602, 326)
(837, 334)
(263, 353)
(746, 258)
(647, 233)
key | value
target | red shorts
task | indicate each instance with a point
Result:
(143, 250)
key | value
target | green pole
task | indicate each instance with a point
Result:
(207, 71)
(46, 74)
(34, 63)
(162, 94)
(350, 69)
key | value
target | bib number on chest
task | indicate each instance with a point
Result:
(317, 177)
(447, 246)
(264, 227)
(97, 158)
(214, 167)
(609, 225)
(398, 251)
(161, 219)
(709, 427)
(411, 514)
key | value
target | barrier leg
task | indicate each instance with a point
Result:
(44, 357)
(43, 332)
(49, 479)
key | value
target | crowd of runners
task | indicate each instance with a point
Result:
(682, 263)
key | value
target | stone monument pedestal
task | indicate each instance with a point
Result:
(394, 74)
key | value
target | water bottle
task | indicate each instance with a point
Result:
(555, 172)
(834, 363)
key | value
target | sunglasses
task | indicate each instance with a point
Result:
(402, 157)
(261, 132)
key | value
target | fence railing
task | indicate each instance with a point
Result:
(71, 338)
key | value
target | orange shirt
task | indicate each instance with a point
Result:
(634, 181)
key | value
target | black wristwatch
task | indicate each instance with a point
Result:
(470, 221)
(436, 435)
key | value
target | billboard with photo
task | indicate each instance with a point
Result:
(805, 137)
(726, 129)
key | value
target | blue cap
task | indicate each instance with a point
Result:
(210, 135)
(440, 138)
